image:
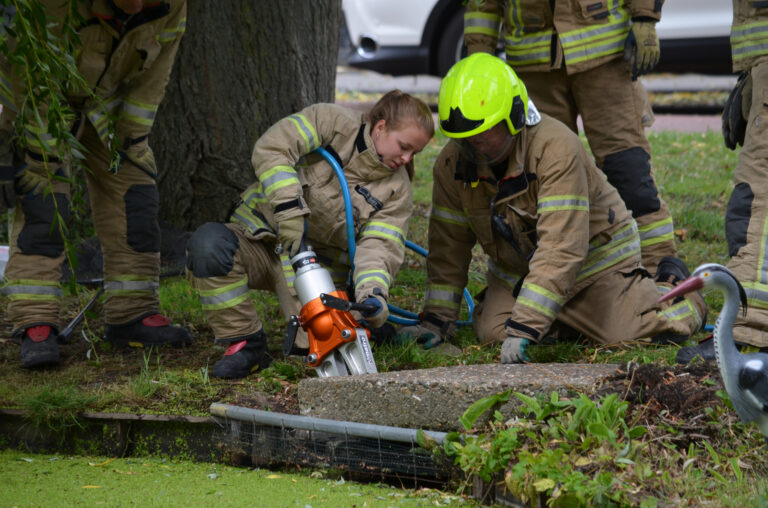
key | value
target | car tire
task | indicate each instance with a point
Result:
(451, 46)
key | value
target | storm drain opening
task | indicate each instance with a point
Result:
(359, 451)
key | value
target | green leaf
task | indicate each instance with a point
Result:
(637, 432)
(600, 430)
(425, 441)
(474, 411)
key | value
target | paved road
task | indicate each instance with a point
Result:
(349, 79)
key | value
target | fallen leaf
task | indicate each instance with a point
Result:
(91, 486)
(543, 484)
(273, 476)
(102, 463)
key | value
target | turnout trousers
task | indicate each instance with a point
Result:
(225, 264)
(746, 221)
(614, 110)
(618, 307)
(124, 207)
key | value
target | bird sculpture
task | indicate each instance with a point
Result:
(745, 375)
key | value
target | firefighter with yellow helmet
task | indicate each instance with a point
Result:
(560, 241)
(569, 54)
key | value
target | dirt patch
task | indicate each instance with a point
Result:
(680, 395)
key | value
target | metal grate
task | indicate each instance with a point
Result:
(374, 458)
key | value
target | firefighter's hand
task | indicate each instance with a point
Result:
(641, 47)
(376, 318)
(290, 233)
(514, 350)
(29, 182)
(423, 333)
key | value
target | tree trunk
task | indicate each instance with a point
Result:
(242, 66)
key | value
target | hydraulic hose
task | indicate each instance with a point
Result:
(397, 315)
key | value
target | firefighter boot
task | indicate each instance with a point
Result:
(148, 330)
(39, 347)
(243, 357)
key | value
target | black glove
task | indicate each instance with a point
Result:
(736, 111)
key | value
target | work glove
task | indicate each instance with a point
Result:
(514, 350)
(141, 155)
(30, 182)
(424, 333)
(641, 48)
(736, 112)
(376, 318)
(290, 234)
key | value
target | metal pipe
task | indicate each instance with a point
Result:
(384, 432)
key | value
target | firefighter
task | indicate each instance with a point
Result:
(126, 56)
(745, 122)
(569, 55)
(563, 250)
(297, 198)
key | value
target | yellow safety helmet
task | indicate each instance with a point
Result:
(477, 93)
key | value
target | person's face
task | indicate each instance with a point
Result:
(397, 147)
(129, 6)
(495, 144)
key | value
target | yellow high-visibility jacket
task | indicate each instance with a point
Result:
(749, 34)
(580, 34)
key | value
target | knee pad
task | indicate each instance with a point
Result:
(142, 203)
(38, 235)
(737, 216)
(211, 250)
(630, 172)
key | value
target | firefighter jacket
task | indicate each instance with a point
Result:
(542, 35)
(126, 63)
(550, 225)
(749, 34)
(292, 180)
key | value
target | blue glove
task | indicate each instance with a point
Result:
(376, 318)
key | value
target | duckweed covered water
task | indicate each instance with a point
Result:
(59, 480)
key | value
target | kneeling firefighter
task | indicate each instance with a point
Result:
(563, 250)
(297, 200)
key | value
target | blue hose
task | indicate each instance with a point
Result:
(397, 315)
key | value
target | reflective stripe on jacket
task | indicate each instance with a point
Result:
(294, 181)
(749, 34)
(565, 226)
(581, 34)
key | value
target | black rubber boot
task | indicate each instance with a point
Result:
(149, 330)
(39, 347)
(706, 350)
(244, 357)
(672, 270)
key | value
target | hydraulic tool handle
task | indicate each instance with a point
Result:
(290, 335)
(66, 332)
(345, 305)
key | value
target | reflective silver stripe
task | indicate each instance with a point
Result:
(382, 229)
(530, 57)
(757, 294)
(530, 297)
(133, 109)
(744, 50)
(380, 275)
(275, 177)
(663, 290)
(447, 215)
(254, 196)
(307, 131)
(624, 245)
(509, 278)
(223, 298)
(131, 285)
(439, 295)
(556, 203)
(680, 311)
(482, 23)
(594, 50)
(740, 32)
(252, 223)
(664, 229)
(585, 36)
(18, 289)
(529, 41)
(288, 273)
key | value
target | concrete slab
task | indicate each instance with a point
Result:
(435, 398)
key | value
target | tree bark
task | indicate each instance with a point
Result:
(241, 66)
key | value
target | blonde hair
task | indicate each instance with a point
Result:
(398, 109)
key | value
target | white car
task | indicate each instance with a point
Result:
(426, 36)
